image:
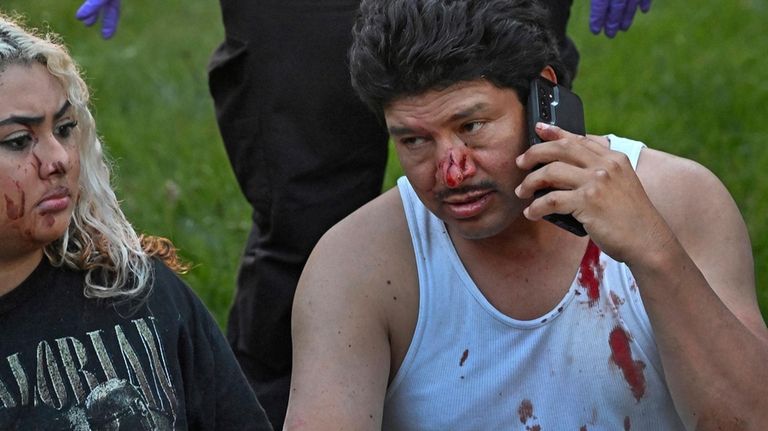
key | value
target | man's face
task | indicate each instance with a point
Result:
(39, 160)
(457, 146)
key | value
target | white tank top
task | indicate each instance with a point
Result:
(589, 364)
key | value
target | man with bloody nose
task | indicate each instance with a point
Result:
(449, 303)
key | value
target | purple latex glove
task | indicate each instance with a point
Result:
(109, 10)
(614, 15)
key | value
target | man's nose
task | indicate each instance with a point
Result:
(456, 165)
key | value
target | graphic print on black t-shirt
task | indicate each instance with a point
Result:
(115, 379)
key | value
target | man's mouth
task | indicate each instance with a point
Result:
(467, 205)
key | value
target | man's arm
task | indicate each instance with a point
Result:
(681, 234)
(341, 323)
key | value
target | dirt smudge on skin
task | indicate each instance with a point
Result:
(621, 354)
(525, 411)
(591, 272)
(464, 357)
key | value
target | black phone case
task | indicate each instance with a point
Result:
(556, 105)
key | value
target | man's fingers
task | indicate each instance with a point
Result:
(554, 202)
(555, 175)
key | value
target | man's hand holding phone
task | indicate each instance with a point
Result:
(598, 186)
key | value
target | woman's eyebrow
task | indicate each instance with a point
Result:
(25, 120)
(62, 111)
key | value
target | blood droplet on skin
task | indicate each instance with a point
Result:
(627, 424)
(621, 354)
(591, 272)
(525, 411)
(49, 220)
(464, 357)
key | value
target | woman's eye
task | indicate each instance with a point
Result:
(18, 143)
(65, 130)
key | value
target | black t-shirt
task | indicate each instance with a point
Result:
(72, 363)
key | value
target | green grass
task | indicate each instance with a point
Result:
(688, 79)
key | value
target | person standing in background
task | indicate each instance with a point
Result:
(306, 152)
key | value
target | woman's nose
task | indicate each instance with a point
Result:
(52, 157)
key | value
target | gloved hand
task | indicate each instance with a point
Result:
(108, 9)
(614, 15)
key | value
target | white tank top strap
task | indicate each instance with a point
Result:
(627, 146)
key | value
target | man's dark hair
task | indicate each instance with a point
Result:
(407, 47)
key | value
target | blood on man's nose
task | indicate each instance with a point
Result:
(453, 168)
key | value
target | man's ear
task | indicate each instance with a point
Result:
(549, 73)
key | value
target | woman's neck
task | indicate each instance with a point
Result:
(14, 270)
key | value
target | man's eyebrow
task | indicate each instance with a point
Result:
(401, 130)
(468, 112)
(21, 119)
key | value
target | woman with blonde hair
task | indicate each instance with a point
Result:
(96, 329)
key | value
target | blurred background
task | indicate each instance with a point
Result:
(689, 78)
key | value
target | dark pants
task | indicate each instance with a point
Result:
(306, 152)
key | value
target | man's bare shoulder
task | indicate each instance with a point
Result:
(367, 258)
(368, 240)
(680, 188)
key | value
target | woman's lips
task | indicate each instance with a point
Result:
(55, 200)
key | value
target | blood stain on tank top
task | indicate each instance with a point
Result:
(591, 272)
(627, 423)
(525, 411)
(630, 368)
(617, 300)
(464, 357)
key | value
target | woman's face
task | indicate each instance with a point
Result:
(39, 160)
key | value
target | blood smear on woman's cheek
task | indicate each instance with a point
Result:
(12, 211)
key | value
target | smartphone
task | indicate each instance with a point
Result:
(556, 105)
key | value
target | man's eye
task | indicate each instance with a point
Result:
(65, 130)
(412, 141)
(18, 143)
(472, 127)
